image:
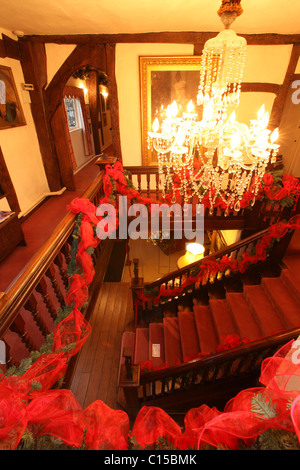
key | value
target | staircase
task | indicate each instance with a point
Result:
(186, 357)
(258, 311)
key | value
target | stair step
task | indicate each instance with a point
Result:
(188, 335)
(206, 329)
(243, 317)
(222, 318)
(292, 281)
(141, 345)
(156, 344)
(173, 351)
(262, 308)
(283, 301)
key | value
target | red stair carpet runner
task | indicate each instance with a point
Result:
(259, 311)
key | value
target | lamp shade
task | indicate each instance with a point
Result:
(194, 252)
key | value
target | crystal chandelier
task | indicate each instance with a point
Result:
(215, 156)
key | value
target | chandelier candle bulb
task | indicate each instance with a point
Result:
(274, 136)
(261, 112)
(155, 125)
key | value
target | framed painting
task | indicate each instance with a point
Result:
(11, 113)
(163, 80)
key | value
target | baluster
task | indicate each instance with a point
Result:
(18, 326)
(242, 361)
(139, 182)
(10, 360)
(183, 383)
(50, 273)
(32, 307)
(59, 261)
(172, 384)
(136, 270)
(148, 184)
(228, 368)
(96, 199)
(42, 289)
(157, 186)
(65, 250)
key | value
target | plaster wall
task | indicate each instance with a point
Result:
(21, 150)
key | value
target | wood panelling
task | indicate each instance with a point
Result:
(60, 133)
(9, 48)
(260, 87)
(94, 103)
(110, 50)
(7, 186)
(34, 65)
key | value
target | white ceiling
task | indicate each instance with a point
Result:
(140, 16)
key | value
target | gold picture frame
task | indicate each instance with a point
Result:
(158, 76)
(11, 112)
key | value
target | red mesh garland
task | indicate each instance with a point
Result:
(72, 330)
(295, 414)
(240, 421)
(85, 206)
(13, 422)
(152, 423)
(78, 293)
(14, 386)
(193, 422)
(56, 413)
(87, 237)
(84, 260)
(106, 429)
(46, 371)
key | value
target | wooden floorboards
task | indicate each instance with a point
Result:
(96, 372)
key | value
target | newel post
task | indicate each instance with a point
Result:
(137, 284)
(129, 381)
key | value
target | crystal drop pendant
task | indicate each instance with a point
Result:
(237, 206)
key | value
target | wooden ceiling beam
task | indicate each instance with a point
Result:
(9, 48)
(187, 37)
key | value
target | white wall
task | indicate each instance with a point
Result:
(21, 150)
(56, 55)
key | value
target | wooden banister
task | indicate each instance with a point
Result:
(41, 286)
(261, 215)
(175, 278)
(212, 380)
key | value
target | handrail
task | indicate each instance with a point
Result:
(215, 378)
(224, 356)
(17, 294)
(235, 247)
(261, 215)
